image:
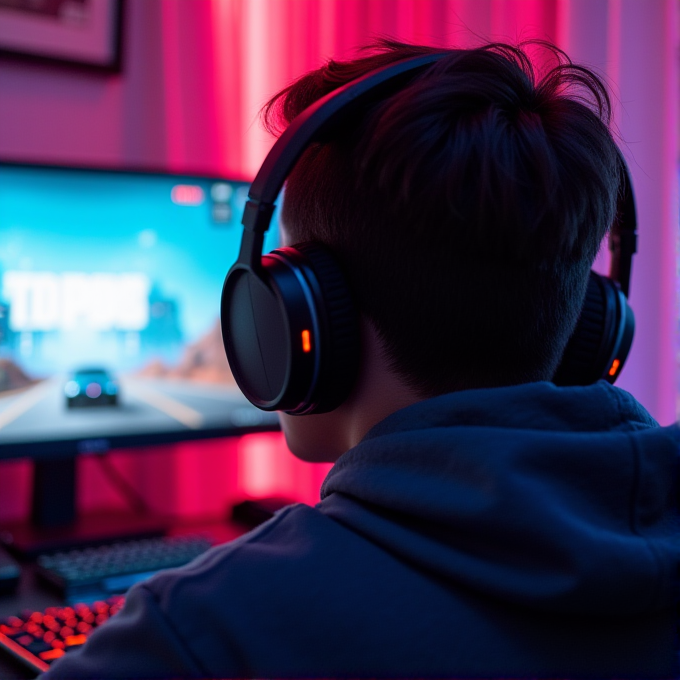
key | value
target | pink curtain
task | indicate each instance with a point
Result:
(279, 41)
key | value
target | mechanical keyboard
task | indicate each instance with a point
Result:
(38, 638)
(95, 573)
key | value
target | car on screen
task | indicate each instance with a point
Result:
(91, 386)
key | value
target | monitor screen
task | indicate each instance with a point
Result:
(110, 288)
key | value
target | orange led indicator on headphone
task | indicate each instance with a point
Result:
(615, 367)
(306, 341)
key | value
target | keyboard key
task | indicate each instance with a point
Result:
(51, 654)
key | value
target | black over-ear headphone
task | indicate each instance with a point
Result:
(289, 325)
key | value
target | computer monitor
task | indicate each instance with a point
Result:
(110, 286)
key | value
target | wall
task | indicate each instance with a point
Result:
(196, 72)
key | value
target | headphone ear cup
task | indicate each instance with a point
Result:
(290, 331)
(256, 337)
(602, 338)
(339, 360)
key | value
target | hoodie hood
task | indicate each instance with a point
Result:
(559, 499)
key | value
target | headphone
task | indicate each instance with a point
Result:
(289, 324)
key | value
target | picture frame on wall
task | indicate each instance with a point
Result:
(82, 32)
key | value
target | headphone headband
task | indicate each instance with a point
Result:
(623, 234)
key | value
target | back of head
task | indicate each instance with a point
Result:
(466, 209)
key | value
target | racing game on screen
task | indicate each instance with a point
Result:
(110, 287)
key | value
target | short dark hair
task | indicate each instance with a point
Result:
(466, 209)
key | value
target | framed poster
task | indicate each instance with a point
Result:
(85, 32)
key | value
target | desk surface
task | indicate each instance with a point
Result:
(35, 595)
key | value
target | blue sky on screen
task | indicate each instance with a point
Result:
(75, 221)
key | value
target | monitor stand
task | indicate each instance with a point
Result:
(55, 523)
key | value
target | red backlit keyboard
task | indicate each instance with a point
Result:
(38, 638)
